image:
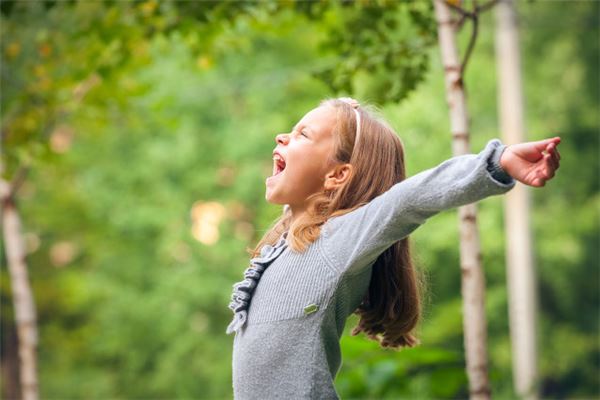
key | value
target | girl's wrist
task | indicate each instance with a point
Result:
(503, 160)
(497, 165)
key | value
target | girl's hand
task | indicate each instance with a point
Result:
(532, 163)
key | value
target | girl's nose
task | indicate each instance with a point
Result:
(282, 138)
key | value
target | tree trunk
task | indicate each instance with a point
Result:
(24, 307)
(520, 271)
(9, 359)
(473, 281)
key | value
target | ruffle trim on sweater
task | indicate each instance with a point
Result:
(243, 291)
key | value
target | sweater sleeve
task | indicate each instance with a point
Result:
(353, 241)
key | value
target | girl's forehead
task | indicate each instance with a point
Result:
(320, 120)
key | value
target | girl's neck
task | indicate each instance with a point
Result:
(297, 211)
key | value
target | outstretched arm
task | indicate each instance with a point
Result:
(356, 239)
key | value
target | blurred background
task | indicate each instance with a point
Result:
(142, 133)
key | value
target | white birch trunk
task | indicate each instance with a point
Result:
(520, 268)
(22, 298)
(473, 280)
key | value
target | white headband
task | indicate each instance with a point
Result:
(354, 104)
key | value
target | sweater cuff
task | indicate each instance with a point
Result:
(494, 167)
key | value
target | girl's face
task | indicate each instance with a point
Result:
(302, 159)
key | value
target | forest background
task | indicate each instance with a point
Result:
(147, 128)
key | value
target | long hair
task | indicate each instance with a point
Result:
(392, 307)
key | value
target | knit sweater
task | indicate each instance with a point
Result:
(291, 308)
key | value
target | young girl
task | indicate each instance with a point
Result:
(341, 245)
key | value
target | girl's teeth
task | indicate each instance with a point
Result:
(276, 165)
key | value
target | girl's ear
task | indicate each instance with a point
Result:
(339, 175)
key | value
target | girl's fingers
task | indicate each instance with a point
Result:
(538, 182)
(552, 159)
(556, 140)
(545, 169)
(542, 145)
(553, 151)
(556, 158)
(551, 147)
(548, 145)
(551, 166)
(550, 162)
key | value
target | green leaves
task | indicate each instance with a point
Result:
(426, 371)
(381, 49)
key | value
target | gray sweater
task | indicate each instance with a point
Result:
(290, 310)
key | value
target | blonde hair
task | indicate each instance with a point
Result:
(391, 309)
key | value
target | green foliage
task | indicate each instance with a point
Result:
(383, 48)
(130, 114)
(369, 372)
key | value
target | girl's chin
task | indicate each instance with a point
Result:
(270, 194)
(273, 199)
(273, 190)
(271, 180)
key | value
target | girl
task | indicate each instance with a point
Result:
(341, 245)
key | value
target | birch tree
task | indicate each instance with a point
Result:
(520, 268)
(473, 280)
(23, 301)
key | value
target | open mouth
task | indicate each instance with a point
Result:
(278, 164)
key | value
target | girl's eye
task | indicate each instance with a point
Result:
(304, 134)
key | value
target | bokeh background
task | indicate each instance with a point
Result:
(147, 129)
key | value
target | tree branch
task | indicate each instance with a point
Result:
(487, 6)
(474, 17)
(471, 46)
(458, 9)
(8, 189)
(18, 180)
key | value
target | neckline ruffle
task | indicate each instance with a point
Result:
(243, 290)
